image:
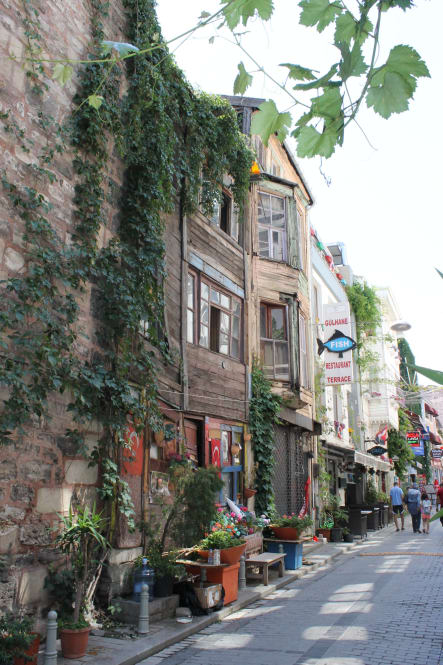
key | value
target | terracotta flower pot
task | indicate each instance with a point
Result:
(285, 532)
(74, 642)
(31, 652)
(324, 532)
(229, 555)
(249, 492)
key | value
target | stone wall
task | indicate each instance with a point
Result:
(41, 474)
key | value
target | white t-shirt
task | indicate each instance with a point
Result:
(426, 505)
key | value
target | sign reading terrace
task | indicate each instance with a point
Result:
(337, 343)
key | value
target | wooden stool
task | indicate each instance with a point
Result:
(263, 561)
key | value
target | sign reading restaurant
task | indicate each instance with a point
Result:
(337, 343)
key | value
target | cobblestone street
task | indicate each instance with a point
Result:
(362, 610)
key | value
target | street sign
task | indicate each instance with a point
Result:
(413, 438)
(437, 453)
(337, 344)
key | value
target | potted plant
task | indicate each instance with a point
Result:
(81, 539)
(289, 527)
(165, 567)
(340, 517)
(348, 537)
(325, 525)
(18, 644)
(231, 547)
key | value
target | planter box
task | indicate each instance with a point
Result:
(285, 532)
(229, 555)
(293, 552)
(208, 595)
(74, 642)
(326, 533)
(31, 653)
(227, 576)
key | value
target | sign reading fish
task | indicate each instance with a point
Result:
(337, 318)
(338, 343)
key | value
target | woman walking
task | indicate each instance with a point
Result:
(425, 511)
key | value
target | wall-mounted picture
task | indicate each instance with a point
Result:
(159, 484)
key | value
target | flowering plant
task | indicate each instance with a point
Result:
(292, 520)
(239, 526)
(175, 460)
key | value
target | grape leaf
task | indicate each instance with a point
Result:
(397, 76)
(298, 73)
(391, 97)
(122, 48)
(318, 12)
(327, 105)
(322, 82)
(95, 101)
(242, 81)
(403, 4)
(352, 63)
(310, 142)
(243, 10)
(62, 73)
(268, 121)
(345, 29)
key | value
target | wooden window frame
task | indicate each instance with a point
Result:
(232, 213)
(232, 312)
(303, 353)
(269, 339)
(270, 228)
(194, 310)
(301, 239)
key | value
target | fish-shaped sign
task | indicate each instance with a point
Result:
(338, 343)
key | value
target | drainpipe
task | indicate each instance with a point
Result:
(184, 295)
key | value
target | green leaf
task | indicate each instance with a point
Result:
(318, 12)
(62, 73)
(433, 374)
(352, 63)
(405, 60)
(393, 84)
(204, 15)
(327, 105)
(242, 81)
(268, 121)
(299, 73)
(345, 29)
(95, 101)
(311, 143)
(402, 4)
(242, 10)
(322, 82)
(437, 515)
(391, 97)
(122, 48)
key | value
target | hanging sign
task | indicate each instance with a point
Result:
(414, 440)
(377, 450)
(436, 453)
(337, 344)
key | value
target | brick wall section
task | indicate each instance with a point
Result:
(39, 473)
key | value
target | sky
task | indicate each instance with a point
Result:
(383, 199)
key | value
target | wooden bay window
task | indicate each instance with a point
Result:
(274, 341)
(271, 227)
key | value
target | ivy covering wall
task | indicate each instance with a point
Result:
(173, 146)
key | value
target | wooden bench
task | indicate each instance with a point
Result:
(263, 561)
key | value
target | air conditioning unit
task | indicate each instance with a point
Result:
(342, 482)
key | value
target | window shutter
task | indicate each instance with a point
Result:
(293, 243)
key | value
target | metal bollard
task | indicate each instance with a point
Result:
(51, 637)
(242, 574)
(143, 617)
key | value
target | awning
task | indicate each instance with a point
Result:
(337, 450)
(371, 461)
(435, 438)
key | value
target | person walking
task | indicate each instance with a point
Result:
(413, 501)
(439, 499)
(396, 495)
(425, 512)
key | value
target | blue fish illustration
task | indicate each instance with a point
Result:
(338, 343)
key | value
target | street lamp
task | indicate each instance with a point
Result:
(400, 326)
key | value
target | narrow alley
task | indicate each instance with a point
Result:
(379, 604)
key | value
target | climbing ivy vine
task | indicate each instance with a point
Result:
(366, 307)
(175, 148)
(398, 446)
(264, 407)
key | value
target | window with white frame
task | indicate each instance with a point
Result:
(214, 318)
(271, 226)
(274, 343)
(304, 370)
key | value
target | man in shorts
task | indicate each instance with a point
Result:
(440, 499)
(396, 494)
